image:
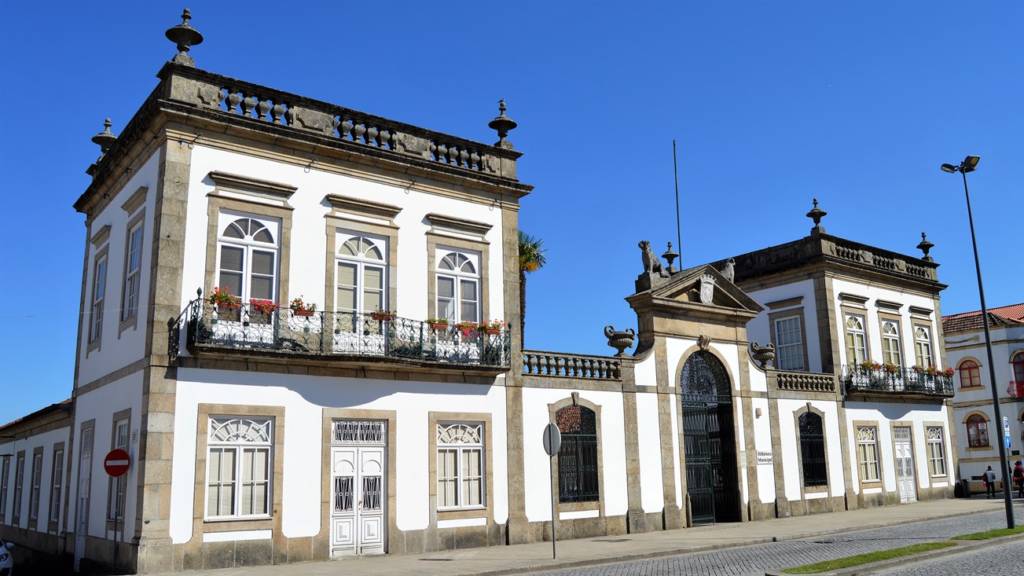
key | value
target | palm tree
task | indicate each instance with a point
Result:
(531, 259)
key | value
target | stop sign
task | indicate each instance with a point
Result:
(116, 463)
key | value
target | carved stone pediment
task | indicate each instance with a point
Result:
(704, 286)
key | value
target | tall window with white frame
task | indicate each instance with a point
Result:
(5, 484)
(19, 486)
(460, 466)
(891, 343)
(867, 453)
(116, 487)
(923, 347)
(99, 296)
(789, 345)
(856, 340)
(132, 273)
(936, 450)
(360, 278)
(35, 487)
(458, 286)
(56, 485)
(247, 260)
(238, 469)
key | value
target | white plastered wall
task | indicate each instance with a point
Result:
(117, 350)
(885, 414)
(874, 293)
(790, 440)
(303, 399)
(649, 441)
(308, 238)
(101, 404)
(613, 450)
(29, 445)
(759, 331)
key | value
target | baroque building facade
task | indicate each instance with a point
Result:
(300, 321)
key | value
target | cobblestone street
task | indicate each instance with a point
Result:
(1005, 559)
(755, 560)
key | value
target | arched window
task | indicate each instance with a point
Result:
(361, 274)
(458, 286)
(247, 259)
(1018, 368)
(577, 458)
(812, 450)
(856, 340)
(970, 374)
(923, 347)
(891, 343)
(977, 431)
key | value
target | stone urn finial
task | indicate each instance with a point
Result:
(763, 355)
(925, 246)
(184, 37)
(502, 124)
(105, 139)
(670, 256)
(619, 339)
(817, 214)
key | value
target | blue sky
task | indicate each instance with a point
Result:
(772, 103)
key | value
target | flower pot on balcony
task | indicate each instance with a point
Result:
(437, 325)
(382, 316)
(303, 312)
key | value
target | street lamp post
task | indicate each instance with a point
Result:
(968, 165)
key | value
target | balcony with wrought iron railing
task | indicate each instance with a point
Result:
(265, 330)
(889, 381)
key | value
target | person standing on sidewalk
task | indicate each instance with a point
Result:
(1018, 478)
(990, 482)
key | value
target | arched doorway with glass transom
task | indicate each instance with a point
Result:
(709, 440)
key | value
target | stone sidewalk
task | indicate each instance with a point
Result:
(497, 560)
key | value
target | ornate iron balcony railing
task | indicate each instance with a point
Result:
(334, 335)
(896, 381)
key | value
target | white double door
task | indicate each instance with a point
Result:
(358, 500)
(84, 489)
(904, 464)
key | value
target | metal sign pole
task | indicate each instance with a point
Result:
(552, 444)
(554, 549)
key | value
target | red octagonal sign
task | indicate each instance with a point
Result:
(116, 463)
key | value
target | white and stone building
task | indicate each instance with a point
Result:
(972, 406)
(401, 414)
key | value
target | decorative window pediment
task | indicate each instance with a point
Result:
(459, 434)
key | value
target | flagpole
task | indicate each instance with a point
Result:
(675, 175)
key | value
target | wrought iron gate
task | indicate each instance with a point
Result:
(709, 440)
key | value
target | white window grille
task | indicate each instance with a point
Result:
(923, 346)
(116, 487)
(247, 259)
(867, 452)
(856, 341)
(789, 346)
(359, 431)
(238, 478)
(891, 343)
(458, 286)
(460, 466)
(132, 274)
(99, 296)
(936, 451)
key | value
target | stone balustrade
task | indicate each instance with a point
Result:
(559, 365)
(805, 382)
(213, 92)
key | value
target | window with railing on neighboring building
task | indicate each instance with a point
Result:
(856, 340)
(923, 347)
(891, 343)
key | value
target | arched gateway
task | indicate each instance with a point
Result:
(709, 440)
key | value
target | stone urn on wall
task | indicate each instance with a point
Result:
(619, 339)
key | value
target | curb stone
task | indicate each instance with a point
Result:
(555, 565)
(962, 547)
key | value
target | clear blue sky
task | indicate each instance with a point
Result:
(856, 103)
